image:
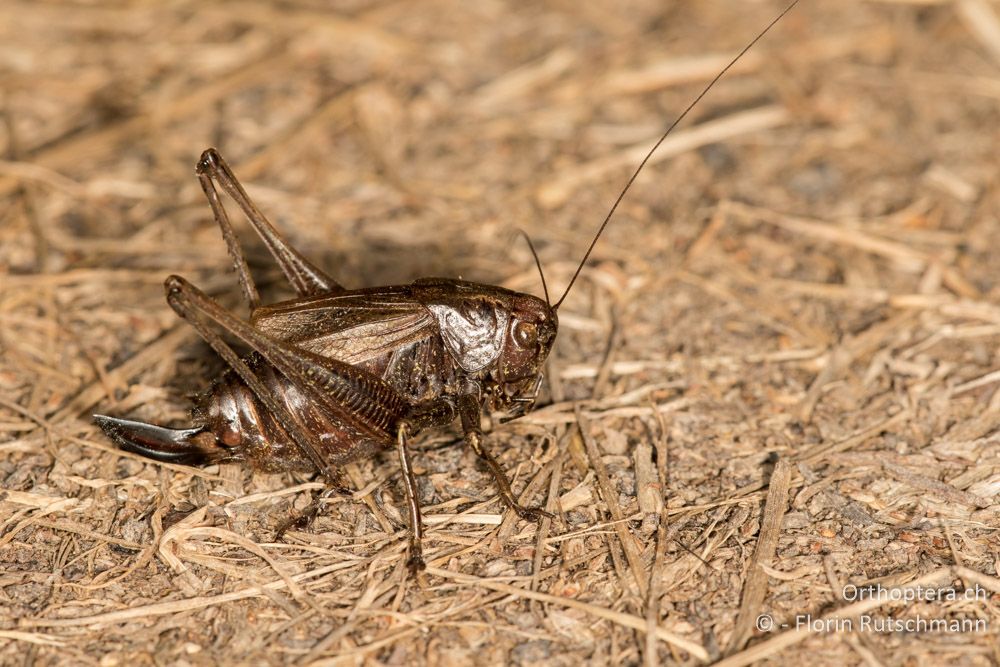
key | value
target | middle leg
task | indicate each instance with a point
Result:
(416, 560)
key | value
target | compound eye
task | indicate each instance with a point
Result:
(525, 334)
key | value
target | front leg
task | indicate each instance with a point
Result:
(468, 408)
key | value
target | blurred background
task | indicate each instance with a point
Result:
(807, 257)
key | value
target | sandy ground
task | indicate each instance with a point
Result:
(775, 383)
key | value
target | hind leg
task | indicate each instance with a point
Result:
(305, 519)
(305, 277)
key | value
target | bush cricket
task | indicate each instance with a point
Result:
(335, 374)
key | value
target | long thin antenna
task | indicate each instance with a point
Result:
(663, 137)
(538, 263)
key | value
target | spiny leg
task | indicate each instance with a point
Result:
(317, 378)
(357, 399)
(229, 236)
(468, 408)
(306, 278)
(416, 561)
(188, 306)
(306, 441)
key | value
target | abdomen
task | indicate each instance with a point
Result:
(247, 430)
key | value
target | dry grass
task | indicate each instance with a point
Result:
(778, 377)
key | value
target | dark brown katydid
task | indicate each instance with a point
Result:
(335, 375)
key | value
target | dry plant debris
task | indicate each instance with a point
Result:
(779, 376)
